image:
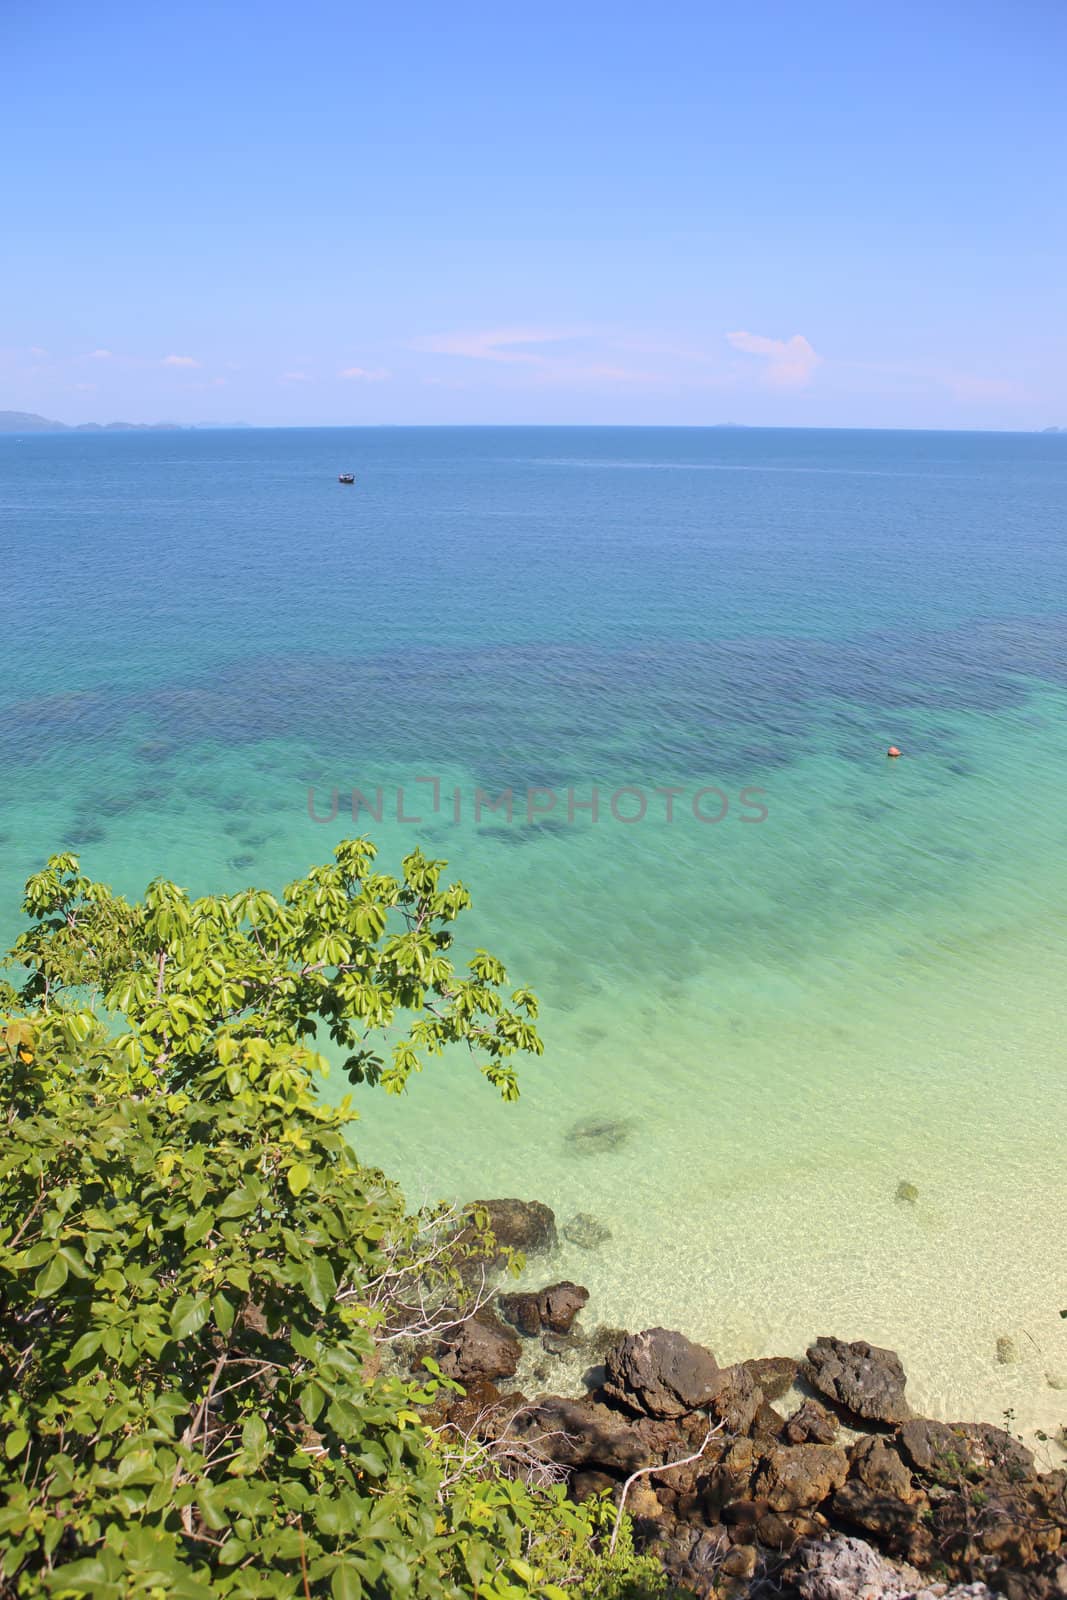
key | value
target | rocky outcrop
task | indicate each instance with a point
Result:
(866, 1381)
(732, 1491)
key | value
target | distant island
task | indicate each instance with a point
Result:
(30, 422)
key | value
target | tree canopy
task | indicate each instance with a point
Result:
(198, 1277)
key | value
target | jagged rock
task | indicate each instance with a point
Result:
(811, 1423)
(932, 1448)
(559, 1304)
(661, 1372)
(783, 1533)
(588, 1433)
(875, 1462)
(740, 1561)
(735, 1400)
(774, 1374)
(796, 1477)
(643, 1504)
(907, 1192)
(522, 1311)
(479, 1348)
(768, 1423)
(849, 1569)
(586, 1232)
(880, 1497)
(865, 1380)
(524, 1225)
(553, 1308)
(727, 1480)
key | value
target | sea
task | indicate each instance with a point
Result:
(803, 1004)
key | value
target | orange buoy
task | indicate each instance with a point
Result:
(892, 751)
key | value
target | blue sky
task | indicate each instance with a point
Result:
(811, 214)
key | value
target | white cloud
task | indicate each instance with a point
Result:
(979, 390)
(295, 377)
(36, 350)
(180, 361)
(86, 388)
(364, 374)
(502, 344)
(103, 355)
(790, 362)
(534, 350)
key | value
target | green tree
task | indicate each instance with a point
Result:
(192, 1258)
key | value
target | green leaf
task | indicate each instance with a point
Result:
(15, 1443)
(51, 1278)
(322, 1285)
(345, 1584)
(298, 1177)
(188, 1316)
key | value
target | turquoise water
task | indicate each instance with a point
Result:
(788, 1016)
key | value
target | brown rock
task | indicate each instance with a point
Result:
(643, 1504)
(811, 1423)
(559, 1304)
(523, 1225)
(585, 1485)
(729, 1479)
(522, 1311)
(936, 1449)
(768, 1423)
(796, 1477)
(735, 1400)
(774, 1374)
(481, 1347)
(553, 1308)
(877, 1464)
(866, 1380)
(661, 1372)
(740, 1561)
(586, 1432)
(783, 1533)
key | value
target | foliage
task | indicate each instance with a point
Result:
(191, 1256)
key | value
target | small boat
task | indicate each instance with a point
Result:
(346, 477)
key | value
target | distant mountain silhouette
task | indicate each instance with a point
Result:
(30, 422)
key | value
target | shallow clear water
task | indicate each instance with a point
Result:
(789, 1016)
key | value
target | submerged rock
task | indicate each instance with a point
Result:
(1007, 1350)
(774, 1374)
(866, 1380)
(524, 1225)
(586, 1232)
(599, 1135)
(907, 1192)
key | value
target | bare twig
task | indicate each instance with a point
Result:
(643, 1472)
